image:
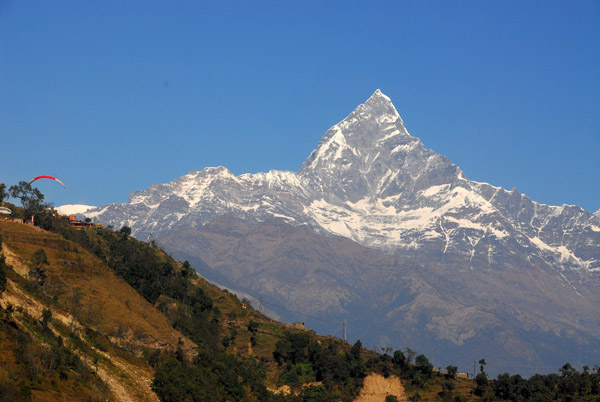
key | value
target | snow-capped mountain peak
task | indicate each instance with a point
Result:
(370, 180)
(367, 153)
(370, 128)
(491, 261)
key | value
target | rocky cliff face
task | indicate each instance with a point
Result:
(506, 262)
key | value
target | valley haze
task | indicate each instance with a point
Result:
(392, 237)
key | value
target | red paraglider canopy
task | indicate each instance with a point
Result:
(48, 177)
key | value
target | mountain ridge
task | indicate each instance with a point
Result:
(372, 182)
(370, 173)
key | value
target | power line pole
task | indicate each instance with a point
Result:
(344, 327)
(260, 305)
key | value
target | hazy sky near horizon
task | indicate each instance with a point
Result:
(115, 96)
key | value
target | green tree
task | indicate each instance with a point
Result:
(314, 394)
(175, 381)
(357, 366)
(567, 370)
(253, 328)
(481, 381)
(46, 317)
(503, 387)
(399, 358)
(37, 273)
(282, 351)
(423, 365)
(40, 258)
(482, 364)
(3, 193)
(410, 354)
(31, 198)
(447, 391)
(125, 231)
(298, 374)
(401, 365)
(452, 370)
(3, 267)
(460, 398)
(418, 379)
(355, 351)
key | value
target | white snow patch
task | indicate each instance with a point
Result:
(563, 252)
(388, 136)
(94, 214)
(404, 148)
(468, 224)
(339, 141)
(540, 244)
(434, 190)
(73, 209)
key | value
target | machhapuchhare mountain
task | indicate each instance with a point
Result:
(380, 232)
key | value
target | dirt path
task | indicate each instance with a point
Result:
(377, 387)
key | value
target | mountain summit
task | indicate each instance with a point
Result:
(369, 154)
(504, 260)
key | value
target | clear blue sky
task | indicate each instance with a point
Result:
(113, 96)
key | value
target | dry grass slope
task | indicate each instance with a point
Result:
(87, 294)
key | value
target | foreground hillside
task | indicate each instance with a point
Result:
(92, 314)
(73, 328)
